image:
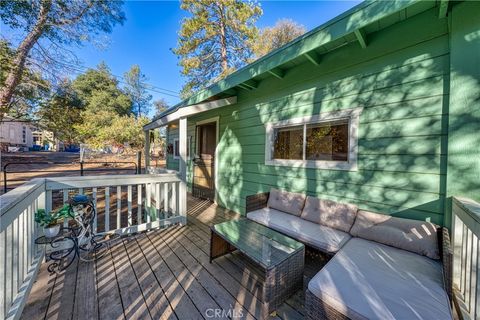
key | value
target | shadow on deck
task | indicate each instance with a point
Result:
(161, 274)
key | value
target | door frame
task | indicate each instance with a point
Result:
(215, 163)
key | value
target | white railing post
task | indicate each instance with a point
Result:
(3, 274)
(466, 255)
(183, 169)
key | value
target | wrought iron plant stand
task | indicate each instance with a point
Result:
(76, 241)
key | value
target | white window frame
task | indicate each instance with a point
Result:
(189, 146)
(353, 117)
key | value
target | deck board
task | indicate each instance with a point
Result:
(133, 302)
(162, 274)
(63, 294)
(178, 298)
(108, 291)
(85, 305)
(227, 277)
(200, 297)
(215, 288)
(155, 299)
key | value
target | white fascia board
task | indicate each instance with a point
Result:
(190, 110)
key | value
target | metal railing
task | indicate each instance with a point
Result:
(466, 253)
(82, 169)
(125, 204)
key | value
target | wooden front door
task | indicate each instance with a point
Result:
(204, 162)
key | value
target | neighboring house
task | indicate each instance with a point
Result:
(378, 107)
(16, 133)
(22, 134)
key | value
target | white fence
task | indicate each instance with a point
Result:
(466, 252)
(125, 204)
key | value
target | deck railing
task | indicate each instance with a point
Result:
(466, 251)
(19, 256)
(124, 204)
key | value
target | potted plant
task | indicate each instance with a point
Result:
(51, 221)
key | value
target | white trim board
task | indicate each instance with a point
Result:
(190, 110)
(353, 116)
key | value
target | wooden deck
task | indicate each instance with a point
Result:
(162, 274)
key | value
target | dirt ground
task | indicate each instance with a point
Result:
(23, 166)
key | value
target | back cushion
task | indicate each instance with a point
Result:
(289, 202)
(329, 213)
(407, 234)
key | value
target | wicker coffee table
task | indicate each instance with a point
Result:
(277, 260)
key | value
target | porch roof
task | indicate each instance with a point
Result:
(353, 25)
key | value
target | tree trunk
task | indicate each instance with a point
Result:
(223, 40)
(15, 74)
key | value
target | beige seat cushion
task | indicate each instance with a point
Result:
(329, 213)
(369, 280)
(320, 237)
(289, 202)
(407, 234)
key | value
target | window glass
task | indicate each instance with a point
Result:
(176, 148)
(288, 143)
(327, 141)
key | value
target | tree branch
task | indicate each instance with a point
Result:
(73, 20)
(15, 74)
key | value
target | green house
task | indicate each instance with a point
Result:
(379, 107)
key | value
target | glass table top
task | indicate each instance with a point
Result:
(265, 246)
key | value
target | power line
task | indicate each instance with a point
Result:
(147, 86)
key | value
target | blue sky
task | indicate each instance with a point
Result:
(150, 31)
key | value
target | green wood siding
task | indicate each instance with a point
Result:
(401, 79)
(464, 108)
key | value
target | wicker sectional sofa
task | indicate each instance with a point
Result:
(380, 267)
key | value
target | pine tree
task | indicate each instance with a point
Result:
(161, 105)
(136, 89)
(215, 40)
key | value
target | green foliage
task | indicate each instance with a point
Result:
(30, 92)
(136, 90)
(215, 40)
(52, 218)
(125, 130)
(93, 109)
(61, 112)
(98, 90)
(108, 128)
(106, 117)
(271, 38)
(67, 21)
(44, 28)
